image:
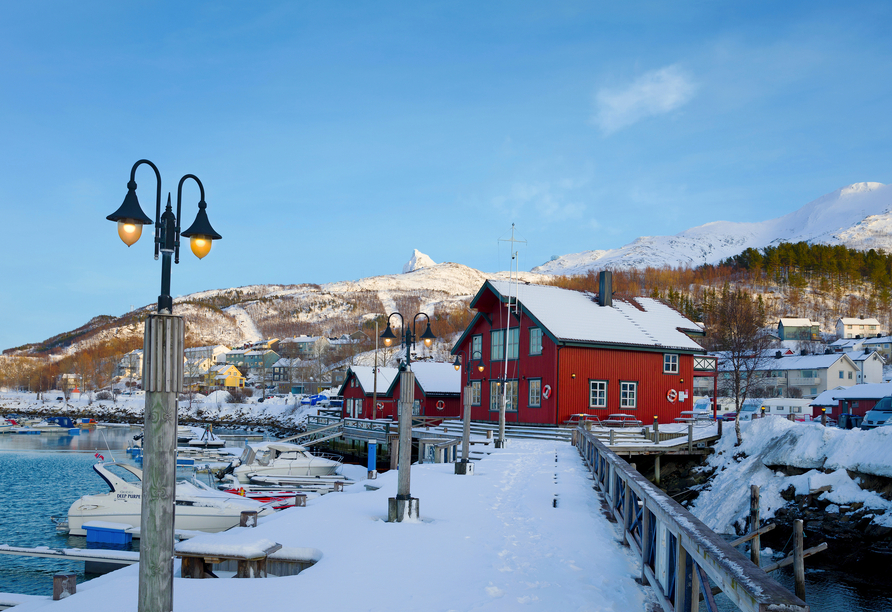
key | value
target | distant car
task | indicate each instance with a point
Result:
(59, 398)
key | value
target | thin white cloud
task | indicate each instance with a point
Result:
(653, 93)
(552, 201)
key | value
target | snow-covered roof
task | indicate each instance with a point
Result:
(300, 339)
(844, 343)
(236, 352)
(880, 340)
(435, 378)
(864, 356)
(865, 391)
(572, 316)
(854, 321)
(791, 362)
(366, 377)
(284, 362)
(796, 322)
(826, 398)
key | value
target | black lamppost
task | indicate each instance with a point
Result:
(404, 506)
(465, 466)
(130, 219)
(164, 347)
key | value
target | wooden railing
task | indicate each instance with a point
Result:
(679, 554)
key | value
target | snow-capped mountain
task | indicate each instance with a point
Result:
(417, 261)
(858, 216)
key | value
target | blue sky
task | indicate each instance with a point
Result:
(333, 138)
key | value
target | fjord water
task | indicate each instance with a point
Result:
(40, 477)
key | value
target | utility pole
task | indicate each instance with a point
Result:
(501, 441)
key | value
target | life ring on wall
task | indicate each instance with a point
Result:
(672, 395)
(546, 391)
(441, 404)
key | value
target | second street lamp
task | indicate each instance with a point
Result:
(465, 466)
(404, 506)
(163, 381)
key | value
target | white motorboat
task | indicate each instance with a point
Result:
(198, 506)
(5, 425)
(280, 459)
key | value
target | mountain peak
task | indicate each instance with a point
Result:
(417, 261)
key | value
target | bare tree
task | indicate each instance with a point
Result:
(734, 323)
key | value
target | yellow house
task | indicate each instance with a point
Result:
(225, 376)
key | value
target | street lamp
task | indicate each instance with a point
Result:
(465, 466)
(404, 506)
(162, 380)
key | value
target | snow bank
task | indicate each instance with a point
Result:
(768, 443)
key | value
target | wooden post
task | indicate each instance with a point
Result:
(612, 437)
(657, 469)
(690, 437)
(163, 381)
(300, 500)
(720, 427)
(248, 518)
(394, 451)
(798, 560)
(627, 513)
(645, 540)
(656, 432)
(64, 585)
(755, 544)
(573, 437)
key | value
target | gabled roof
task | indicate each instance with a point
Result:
(792, 362)
(865, 391)
(569, 317)
(366, 377)
(854, 321)
(865, 356)
(796, 322)
(437, 378)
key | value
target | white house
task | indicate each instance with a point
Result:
(870, 364)
(850, 327)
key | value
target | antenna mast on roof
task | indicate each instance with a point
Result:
(512, 275)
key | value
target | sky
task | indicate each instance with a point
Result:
(332, 139)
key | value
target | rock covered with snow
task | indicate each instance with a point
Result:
(417, 261)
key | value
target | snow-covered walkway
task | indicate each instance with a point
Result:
(491, 541)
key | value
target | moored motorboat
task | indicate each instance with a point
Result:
(198, 507)
(280, 459)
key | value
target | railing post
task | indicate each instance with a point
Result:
(690, 437)
(798, 560)
(755, 545)
(684, 570)
(627, 513)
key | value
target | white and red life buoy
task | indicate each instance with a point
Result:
(441, 404)
(546, 391)
(380, 405)
(672, 395)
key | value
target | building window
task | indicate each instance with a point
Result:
(597, 394)
(628, 394)
(670, 363)
(495, 395)
(358, 408)
(476, 347)
(840, 374)
(498, 344)
(535, 341)
(850, 375)
(814, 391)
(535, 392)
(475, 392)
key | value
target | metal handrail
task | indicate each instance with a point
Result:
(677, 550)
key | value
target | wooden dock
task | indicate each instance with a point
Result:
(96, 561)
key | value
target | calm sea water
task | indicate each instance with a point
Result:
(40, 477)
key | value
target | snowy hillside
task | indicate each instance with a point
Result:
(858, 216)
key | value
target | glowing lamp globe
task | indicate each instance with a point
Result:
(200, 245)
(129, 231)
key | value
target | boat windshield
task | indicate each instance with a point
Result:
(123, 473)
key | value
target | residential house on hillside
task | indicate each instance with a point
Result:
(271, 344)
(130, 365)
(198, 360)
(554, 353)
(304, 347)
(224, 376)
(236, 357)
(260, 360)
(870, 366)
(789, 328)
(849, 327)
(794, 375)
(216, 352)
(880, 344)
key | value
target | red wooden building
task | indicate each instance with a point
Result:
(437, 391)
(556, 353)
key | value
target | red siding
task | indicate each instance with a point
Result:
(428, 404)
(615, 366)
(357, 392)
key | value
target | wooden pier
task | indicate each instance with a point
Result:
(680, 556)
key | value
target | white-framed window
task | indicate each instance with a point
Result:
(498, 344)
(670, 363)
(495, 395)
(535, 397)
(597, 394)
(358, 408)
(535, 341)
(628, 394)
(476, 347)
(475, 392)
(840, 374)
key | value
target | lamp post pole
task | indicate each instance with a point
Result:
(465, 467)
(163, 352)
(404, 506)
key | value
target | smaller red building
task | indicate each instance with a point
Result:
(857, 399)
(437, 391)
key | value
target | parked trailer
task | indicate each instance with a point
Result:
(785, 406)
